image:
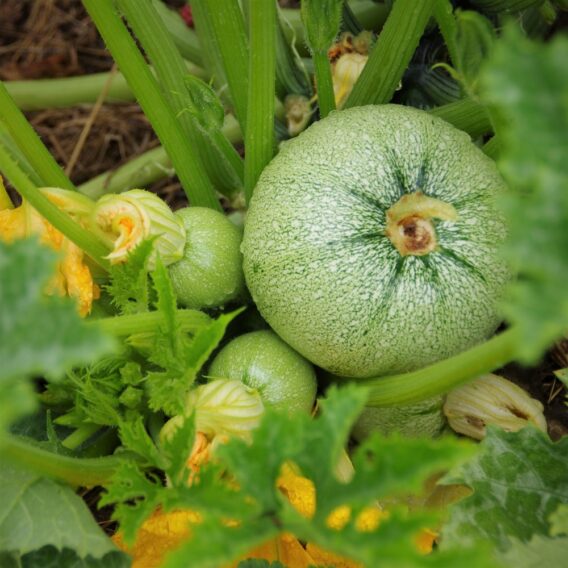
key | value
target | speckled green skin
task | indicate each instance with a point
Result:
(327, 279)
(261, 360)
(414, 420)
(210, 273)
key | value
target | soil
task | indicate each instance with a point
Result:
(55, 38)
(42, 39)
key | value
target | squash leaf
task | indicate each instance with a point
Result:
(241, 484)
(51, 557)
(537, 552)
(518, 481)
(129, 287)
(38, 512)
(39, 334)
(526, 86)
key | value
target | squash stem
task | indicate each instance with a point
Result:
(83, 238)
(467, 115)
(79, 472)
(121, 326)
(80, 435)
(443, 376)
(324, 83)
(30, 143)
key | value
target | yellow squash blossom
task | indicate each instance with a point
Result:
(72, 276)
(164, 532)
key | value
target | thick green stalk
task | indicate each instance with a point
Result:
(504, 6)
(184, 37)
(492, 147)
(120, 43)
(147, 168)
(259, 133)
(222, 22)
(215, 152)
(79, 472)
(122, 326)
(80, 435)
(467, 115)
(392, 53)
(17, 155)
(291, 74)
(84, 239)
(5, 201)
(324, 83)
(444, 14)
(69, 91)
(440, 377)
(30, 144)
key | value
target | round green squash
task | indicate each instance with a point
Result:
(371, 242)
(422, 419)
(262, 361)
(210, 273)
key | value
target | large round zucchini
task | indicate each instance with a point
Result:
(372, 242)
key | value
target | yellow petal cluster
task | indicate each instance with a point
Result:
(72, 276)
(163, 532)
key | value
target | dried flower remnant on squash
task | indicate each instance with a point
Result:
(72, 277)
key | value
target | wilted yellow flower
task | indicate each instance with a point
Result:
(72, 276)
(345, 73)
(348, 57)
(491, 399)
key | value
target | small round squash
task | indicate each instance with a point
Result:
(371, 242)
(262, 361)
(210, 273)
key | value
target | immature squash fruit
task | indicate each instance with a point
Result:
(210, 273)
(371, 242)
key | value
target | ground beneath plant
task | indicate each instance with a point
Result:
(55, 38)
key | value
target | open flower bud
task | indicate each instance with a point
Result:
(136, 215)
(225, 407)
(491, 399)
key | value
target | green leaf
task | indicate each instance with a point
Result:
(539, 551)
(207, 108)
(214, 545)
(475, 38)
(167, 389)
(559, 521)
(37, 334)
(518, 480)
(136, 495)
(256, 563)
(128, 286)
(526, 85)
(314, 445)
(37, 512)
(51, 557)
(322, 19)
